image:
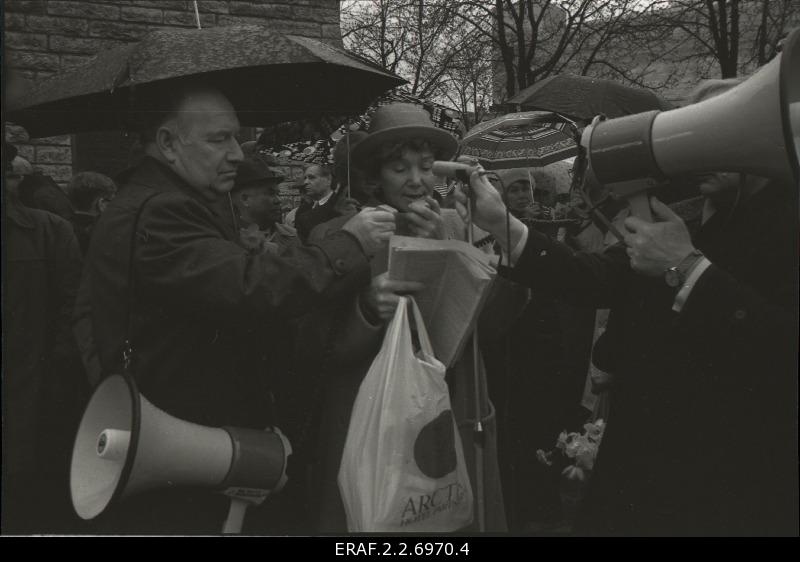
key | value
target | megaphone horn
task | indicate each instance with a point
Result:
(125, 446)
(752, 128)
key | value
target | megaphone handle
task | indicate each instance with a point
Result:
(233, 524)
(640, 206)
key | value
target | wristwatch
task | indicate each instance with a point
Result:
(676, 276)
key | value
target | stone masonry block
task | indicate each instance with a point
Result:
(261, 9)
(15, 22)
(28, 41)
(321, 15)
(213, 6)
(53, 155)
(306, 29)
(224, 19)
(82, 10)
(117, 30)
(80, 45)
(34, 61)
(60, 140)
(160, 4)
(25, 6)
(187, 19)
(61, 25)
(148, 15)
(71, 61)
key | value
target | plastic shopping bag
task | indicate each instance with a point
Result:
(403, 465)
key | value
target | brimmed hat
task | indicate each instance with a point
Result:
(254, 170)
(400, 122)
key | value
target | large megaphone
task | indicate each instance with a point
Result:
(753, 128)
(125, 446)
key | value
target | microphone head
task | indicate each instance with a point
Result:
(457, 170)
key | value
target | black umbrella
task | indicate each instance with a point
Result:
(269, 78)
(582, 97)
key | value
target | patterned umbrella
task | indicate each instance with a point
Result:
(519, 140)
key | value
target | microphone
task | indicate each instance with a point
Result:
(457, 170)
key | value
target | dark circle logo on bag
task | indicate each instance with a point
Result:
(435, 447)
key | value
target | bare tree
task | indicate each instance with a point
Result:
(377, 30)
(417, 39)
(535, 39)
(736, 35)
(468, 82)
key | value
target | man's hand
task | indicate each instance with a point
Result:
(489, 211)
(383, 295)
(424, 219)
(372, 227)
(657, 246)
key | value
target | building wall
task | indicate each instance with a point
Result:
(42, 37)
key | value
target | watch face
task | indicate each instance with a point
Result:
(673, 277)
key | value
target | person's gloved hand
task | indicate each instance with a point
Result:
(654, 247)
(372, 227)
(383, 295)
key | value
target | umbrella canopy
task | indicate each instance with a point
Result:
(269, 78)
(582, 97)
(518, 140)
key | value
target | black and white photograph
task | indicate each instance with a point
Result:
(400, 277)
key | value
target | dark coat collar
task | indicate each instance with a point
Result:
(155, 175)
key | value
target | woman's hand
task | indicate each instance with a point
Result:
(424, 219)
(383, 295)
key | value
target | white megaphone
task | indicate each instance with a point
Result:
(753, 128)
(125, 446)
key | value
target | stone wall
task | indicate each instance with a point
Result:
(42, 37)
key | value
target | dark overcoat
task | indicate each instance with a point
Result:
(208, 319)
(702, 435)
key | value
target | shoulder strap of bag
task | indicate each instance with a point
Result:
(127, 347)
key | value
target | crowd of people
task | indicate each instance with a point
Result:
(236, 315)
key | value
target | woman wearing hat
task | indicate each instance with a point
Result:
(397, 157)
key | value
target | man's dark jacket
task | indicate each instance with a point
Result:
(209, 319)
(702, 435)
(308, 217)
(43, 391)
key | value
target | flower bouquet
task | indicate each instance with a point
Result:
(578, 453)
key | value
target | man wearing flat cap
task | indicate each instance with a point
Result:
(256, 197)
